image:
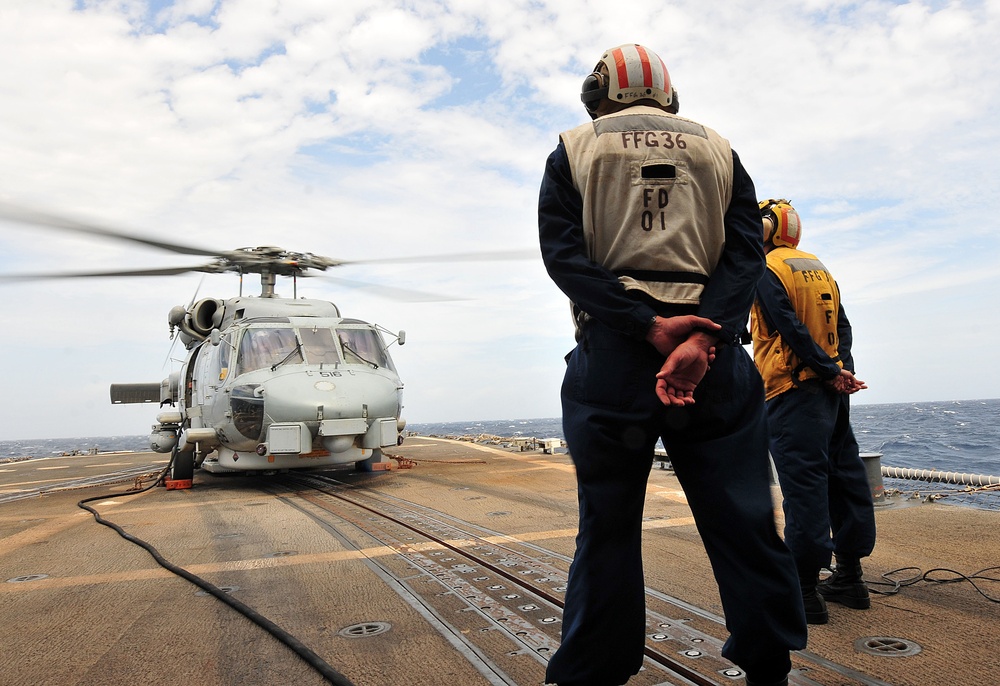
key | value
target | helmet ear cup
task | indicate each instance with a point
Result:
(786, 225)
(772, 224)
(594, 89)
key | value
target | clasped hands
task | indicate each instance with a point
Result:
(689, 353)
(847, 383)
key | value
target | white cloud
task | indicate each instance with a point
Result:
(383, 128)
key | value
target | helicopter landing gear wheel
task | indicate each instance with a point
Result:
(182, 470)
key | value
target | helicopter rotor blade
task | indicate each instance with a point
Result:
(168, 271)
(406, 295)
(34, 217)
(263, 260)
(494, 256)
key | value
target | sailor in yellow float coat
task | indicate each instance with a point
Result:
(802, 347)
(815, 300)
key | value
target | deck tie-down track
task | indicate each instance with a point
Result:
(516, 585)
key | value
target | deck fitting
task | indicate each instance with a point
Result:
(365, 629)
(886, 646)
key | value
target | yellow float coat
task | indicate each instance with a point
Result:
(815, 298)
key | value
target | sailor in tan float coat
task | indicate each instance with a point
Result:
(626, 165)
(649, 224)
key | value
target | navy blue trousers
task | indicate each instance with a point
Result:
(827, 499)
(718, 448)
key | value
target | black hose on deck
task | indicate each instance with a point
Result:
(303, 651)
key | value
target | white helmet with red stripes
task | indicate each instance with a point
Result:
(625, 75)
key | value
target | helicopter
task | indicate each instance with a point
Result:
(268, 383)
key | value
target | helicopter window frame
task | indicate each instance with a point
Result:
(319, 345)
(266, 345)
(364, 346)
(227, 355)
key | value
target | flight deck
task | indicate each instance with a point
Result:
(448, 569)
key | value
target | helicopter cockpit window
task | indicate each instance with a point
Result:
(319, 346)
(225, 352)
(363, 346)
(261, 348)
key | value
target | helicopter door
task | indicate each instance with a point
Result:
(207, 373)
(190, 393)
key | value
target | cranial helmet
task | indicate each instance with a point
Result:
(627, 74)
(782, 225)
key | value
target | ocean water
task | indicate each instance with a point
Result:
(955, 436)
(958, 436)
(950, 436)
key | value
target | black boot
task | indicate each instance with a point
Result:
(768, 671)
(780, 682)
(845, 585)
(815, 606)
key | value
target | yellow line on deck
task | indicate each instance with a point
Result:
(261, 563)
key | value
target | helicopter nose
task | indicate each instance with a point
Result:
(312, 396)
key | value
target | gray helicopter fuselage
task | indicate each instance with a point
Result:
(271, 383)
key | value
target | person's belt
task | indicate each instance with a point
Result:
(663, 309)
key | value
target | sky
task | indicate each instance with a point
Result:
(385, 128)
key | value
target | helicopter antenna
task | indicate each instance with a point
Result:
(201, 282)
(173, 338)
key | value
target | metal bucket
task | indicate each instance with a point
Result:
(873, 470)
